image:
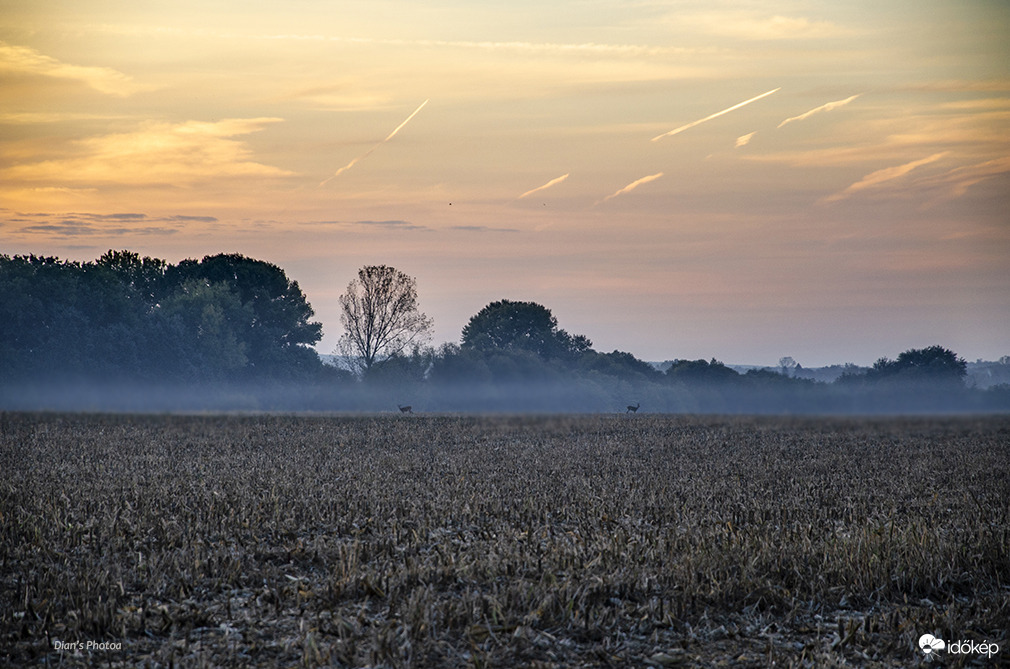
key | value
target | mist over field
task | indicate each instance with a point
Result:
(232, 333)
(534, 397)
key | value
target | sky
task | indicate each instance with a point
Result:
(677, 179)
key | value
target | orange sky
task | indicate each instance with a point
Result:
(826, 182)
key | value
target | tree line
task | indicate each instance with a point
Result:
(228, 321)
(127, 318)
(514, 354)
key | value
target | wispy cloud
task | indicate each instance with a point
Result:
(25, 60)
(347, 95)
(879, 177)
(748, 25)
(715, 115)
(174, 153)
(744, 140)
(390, 225)
(27, 118)
(62, 190)
(961, 86)
(369, 152)
(71, 228)
(481, 228)
(193, 219)
(891, 139)
(957, 181)
(552, 182)
(85, 224)
(632, 186)
(573, 48)
(825, 107)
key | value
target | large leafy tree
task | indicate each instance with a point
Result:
(521, 326)
(210, 317)
(380, 315)
(144, 275)
(276, 326)
(62, 318)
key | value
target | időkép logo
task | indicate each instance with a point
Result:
(931, 645)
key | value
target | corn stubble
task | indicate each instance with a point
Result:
(500, 541)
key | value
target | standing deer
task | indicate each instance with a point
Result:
(633, 409)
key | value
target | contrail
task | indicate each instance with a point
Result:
(399, 127)
(825, 107)
(369, 152)
(716, 115)
(744, 140)
(345, 168)
(632, 186)
(880, 176)
(552, 182)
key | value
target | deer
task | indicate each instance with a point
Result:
(633, 409)
(405, 409)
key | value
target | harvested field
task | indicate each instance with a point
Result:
(501, 541)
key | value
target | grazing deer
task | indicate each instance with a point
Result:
(406, 409)
(633, 409)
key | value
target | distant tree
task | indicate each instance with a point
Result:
(621, 365)
(701, 372)
(402, 369)
(452, 365)
(521, 326)
(768, 378)
(788, 365)
(934, 364)
(380, 316)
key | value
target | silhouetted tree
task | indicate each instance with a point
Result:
(213, 320)
(380, 316)
(788, 365)
(701, 372)
(125, 317)
(402, 369)
(521, 326)
(934, 364)
(145, 275)
(277, 331)
(620, 365)
(452, 364)
(62, 318)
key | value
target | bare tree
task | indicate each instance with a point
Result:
(788, 365)
(380, 316)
